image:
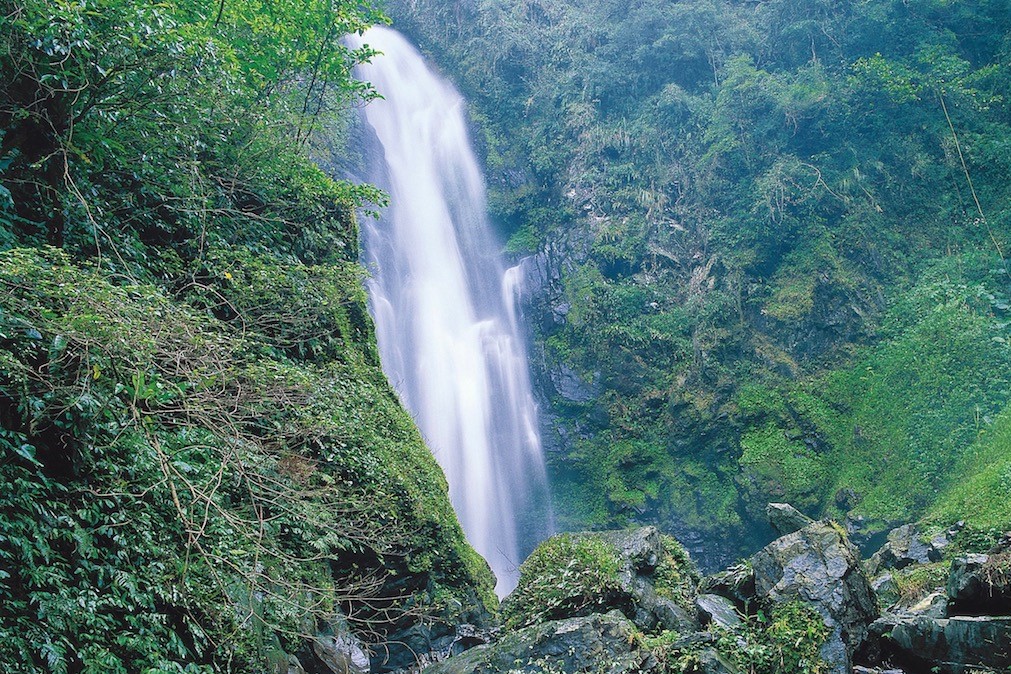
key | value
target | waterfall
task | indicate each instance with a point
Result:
(445, 311)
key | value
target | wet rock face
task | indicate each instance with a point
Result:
(570, 386)
(605, 644)
(333, 650)
(716, 610)
(340, 654)
(818, 566)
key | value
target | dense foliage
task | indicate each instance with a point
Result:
(775, 236)
(201, 463)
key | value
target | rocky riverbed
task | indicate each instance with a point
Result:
(633, 602)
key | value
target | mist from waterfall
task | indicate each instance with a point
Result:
(445, 310)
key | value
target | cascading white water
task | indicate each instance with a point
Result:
(445, 312)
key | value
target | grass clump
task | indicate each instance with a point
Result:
(917, 582)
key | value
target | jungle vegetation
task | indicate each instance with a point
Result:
(201, 462)
(777, 235)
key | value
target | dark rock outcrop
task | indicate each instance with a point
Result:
(736, 583)
(980, 584)
(946, 645)
(818, 566)
(599, 643)
(964, 626)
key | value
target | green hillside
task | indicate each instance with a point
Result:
(202, 466)
(776, 234)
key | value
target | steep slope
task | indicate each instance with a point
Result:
(769, 245)
(203, 468)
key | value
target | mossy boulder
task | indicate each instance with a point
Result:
(646, 575)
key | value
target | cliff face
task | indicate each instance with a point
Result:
(203, 467)
(756, 268)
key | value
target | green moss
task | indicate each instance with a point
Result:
(981, 490)
(784, 469)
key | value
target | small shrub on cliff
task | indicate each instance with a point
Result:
(788, 640)
(566, 575)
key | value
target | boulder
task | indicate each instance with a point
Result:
(818, 566)
(641, 552)
(886, 588)
(934, 605)
(980, 584)
(905, 546)
(786, 519)
(946, 645)
(412, 640)
(605, 644)
(712, 662)
(717, 610)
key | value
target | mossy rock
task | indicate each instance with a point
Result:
(646, 575)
